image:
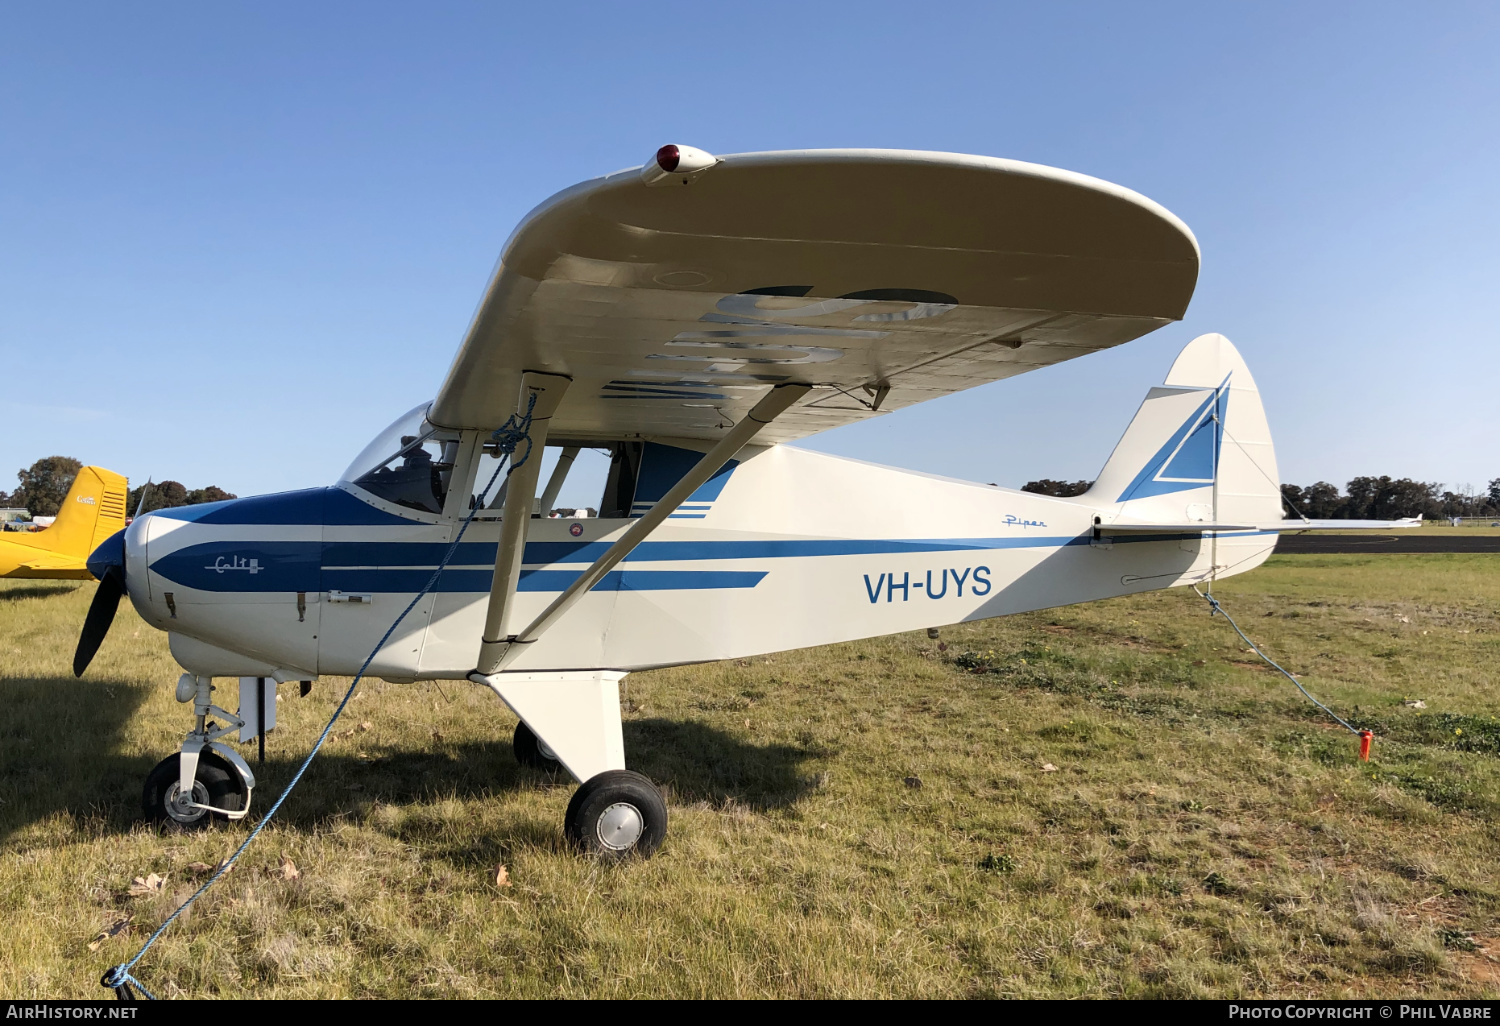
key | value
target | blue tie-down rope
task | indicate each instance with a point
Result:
(1219, 610)
(515, 430)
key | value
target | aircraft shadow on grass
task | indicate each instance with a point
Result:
(72, 766)
(31, 591)
(60, 747)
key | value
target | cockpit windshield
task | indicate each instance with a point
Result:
(410, 463)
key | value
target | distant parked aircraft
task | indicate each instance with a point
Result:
(93, 510)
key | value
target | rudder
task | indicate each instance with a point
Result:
(93, 510)
(1198, 449)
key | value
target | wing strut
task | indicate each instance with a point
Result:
(494, 656)
(516, 515)
(559, 475)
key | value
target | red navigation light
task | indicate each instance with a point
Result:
(676, 165)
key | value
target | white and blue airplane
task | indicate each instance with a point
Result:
(692, 316)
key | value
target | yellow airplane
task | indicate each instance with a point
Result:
(93, 510)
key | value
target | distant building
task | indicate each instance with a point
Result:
(9, 516)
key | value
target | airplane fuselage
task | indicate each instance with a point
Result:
(791, 549)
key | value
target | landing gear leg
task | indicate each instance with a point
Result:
(574, 718)
(207, 780)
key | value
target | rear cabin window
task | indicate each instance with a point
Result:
(578, 493)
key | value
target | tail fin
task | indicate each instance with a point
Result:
(1199, 448)
(93, 510)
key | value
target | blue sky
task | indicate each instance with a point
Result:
(238, 239)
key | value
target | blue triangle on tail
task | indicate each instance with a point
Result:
(1190, 457)
(1193, 463)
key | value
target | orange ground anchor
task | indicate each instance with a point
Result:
(1365, 737)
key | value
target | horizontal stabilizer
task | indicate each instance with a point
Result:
(1349, 525)
(1205, 526)
(1196, 527)
(37, 561)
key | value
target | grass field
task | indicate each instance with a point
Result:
(866, 819)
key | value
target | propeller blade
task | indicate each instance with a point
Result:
(141, 503)
(101, 615)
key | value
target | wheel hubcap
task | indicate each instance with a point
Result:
(620, 826)
(177, 803)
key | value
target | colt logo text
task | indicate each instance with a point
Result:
(220, 564)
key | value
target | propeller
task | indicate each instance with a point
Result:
(141, 502)
(107, 563)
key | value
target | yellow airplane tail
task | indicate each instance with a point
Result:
(93, 510)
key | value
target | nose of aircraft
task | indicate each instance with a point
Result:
(111, 552)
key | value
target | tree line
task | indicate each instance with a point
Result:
(1364, 498)
(1386, 498)
(44, 485)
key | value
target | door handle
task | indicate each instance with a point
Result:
(354, 598)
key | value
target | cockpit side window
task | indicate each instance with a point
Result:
(410, 464)
(415, 477)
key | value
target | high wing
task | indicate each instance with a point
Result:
(882, 277)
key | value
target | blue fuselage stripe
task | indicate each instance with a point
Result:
(478, 581)
(360, 554)
(267, 566)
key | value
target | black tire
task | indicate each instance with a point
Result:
(599, 816)
(216, 784)
(529, 750)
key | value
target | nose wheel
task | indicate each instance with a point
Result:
(217, 790)
(616, 815)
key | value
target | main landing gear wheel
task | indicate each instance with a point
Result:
(616, 815)
(216, 784)
(531, 752)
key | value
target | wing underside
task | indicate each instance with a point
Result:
(882, 278)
